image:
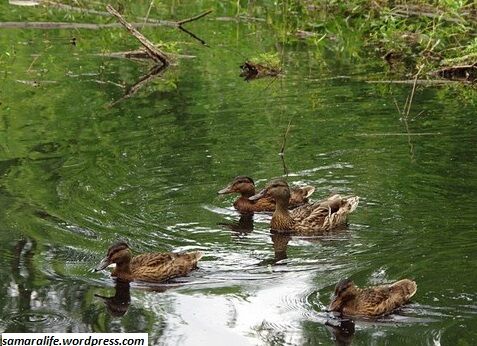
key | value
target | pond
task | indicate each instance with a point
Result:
(81, 168)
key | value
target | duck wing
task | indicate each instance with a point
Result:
(322, 215)
(383, 300)
(163, 266)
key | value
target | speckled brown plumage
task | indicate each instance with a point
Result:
(245, 186)
(152, 267)
(374, 301)
(310, 218)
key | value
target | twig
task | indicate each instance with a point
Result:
(285, 135)
(33, 62)
(412, 93)
(191, 19)
(282, 149)
(397, 106)
(148, 11)
(155, 53)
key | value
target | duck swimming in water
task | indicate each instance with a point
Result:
(151, 267)
(311, 218)
(245, 186)
(373, 301)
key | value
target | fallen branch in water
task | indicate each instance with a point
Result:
(66, 25)
(145, 21)
(463, 73)
(155, 53)
(424, 11)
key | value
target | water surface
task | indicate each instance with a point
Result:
(77, 174)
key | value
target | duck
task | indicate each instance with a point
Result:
(149, 267)
(313, 218)
(245, 186)
(374, 301)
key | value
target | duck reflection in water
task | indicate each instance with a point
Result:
(280, 247)
(342, 330)
(118, 304)
(243, 226)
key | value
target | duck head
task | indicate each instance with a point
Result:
(118, 253)
(277, 189)
(241, 184)
(345, 290)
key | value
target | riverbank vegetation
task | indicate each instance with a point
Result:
(437, 38)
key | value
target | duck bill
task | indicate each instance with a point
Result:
(226, 190)
(259, 195)
(103, 264)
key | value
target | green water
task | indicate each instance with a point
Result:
(77, 174)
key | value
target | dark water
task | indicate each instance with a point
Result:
(77, 174)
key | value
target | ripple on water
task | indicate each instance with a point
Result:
(40, 321)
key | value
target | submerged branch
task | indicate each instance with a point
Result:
(155, 72)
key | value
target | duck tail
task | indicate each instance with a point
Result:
(404, 287)
(308, 190)
(352, 203)
(198, 255)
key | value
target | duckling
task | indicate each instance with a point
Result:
(373, 301)
(246, 187)
(311, 218)
(151, 267)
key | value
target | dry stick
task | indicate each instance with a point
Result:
(155, 53)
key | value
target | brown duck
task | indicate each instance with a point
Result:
(245, 186)
(311, 218)
(151, 267)
(373, 301)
